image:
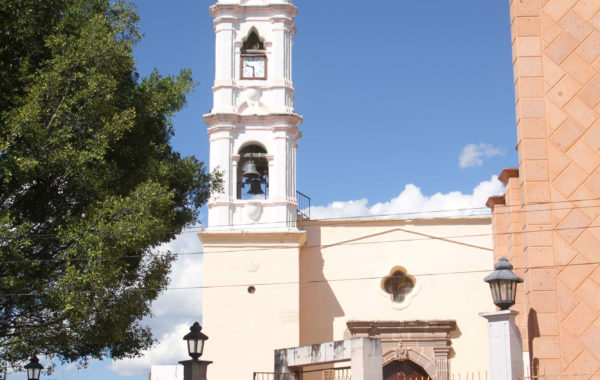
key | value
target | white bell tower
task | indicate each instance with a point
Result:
(252, 240)
(252, 127)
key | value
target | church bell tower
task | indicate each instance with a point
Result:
(251, 271)
(252, 127)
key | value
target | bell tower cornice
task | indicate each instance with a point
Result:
(229, 9)
(291, 119)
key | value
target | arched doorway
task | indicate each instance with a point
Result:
(424, 343)
(404, 370)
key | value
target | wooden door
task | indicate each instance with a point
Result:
(404, 370)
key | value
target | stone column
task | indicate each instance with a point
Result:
(233, 192)
(223, 90)
(194, 369)
(271, 175)
(366, 359)
(506, 351)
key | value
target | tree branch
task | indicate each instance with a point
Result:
(56, 112)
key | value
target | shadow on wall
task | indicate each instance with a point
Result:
(318, 304)
(454, 334)
(533, 331)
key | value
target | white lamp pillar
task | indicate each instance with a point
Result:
(506, 351)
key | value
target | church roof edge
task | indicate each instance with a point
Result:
(387, 222)
(297, 238)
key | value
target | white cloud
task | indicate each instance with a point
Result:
(472, 154)
(173, 312)
(170, 350)
(411, 203)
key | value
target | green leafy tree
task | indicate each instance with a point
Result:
(89, 183)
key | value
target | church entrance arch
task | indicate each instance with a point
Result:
(404, 370)
(426, 344)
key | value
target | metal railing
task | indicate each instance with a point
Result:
(337, 374)
(345, 373)
(303, 205)
(583, 376)
(479, 375)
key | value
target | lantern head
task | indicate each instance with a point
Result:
(503, 284)
(34, 368)
(195, 341)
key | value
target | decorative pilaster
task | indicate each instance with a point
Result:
(272, 179)
(235, 159)
(223, 90)
(442, 364)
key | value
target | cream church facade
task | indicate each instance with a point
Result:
(274, 279)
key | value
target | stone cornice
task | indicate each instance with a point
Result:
(495, 200)
(273, 85)
(225, 18)
(227, 238)
(507, 174)
(214, 132)
(292, 119)
(217, 9)
(387, 327)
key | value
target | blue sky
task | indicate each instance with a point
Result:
(391, 93)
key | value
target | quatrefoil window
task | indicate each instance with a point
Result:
(398, 284)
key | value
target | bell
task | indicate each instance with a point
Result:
(255, 188)
(251, 171)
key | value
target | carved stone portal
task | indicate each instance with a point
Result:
(426, 343)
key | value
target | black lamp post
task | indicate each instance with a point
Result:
(195, 341)
(503, 284)
(195, 369)
(34, 368)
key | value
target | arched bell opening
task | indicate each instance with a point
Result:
(404, 370)
(253, 43)
(253, 64)
(253, 173)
